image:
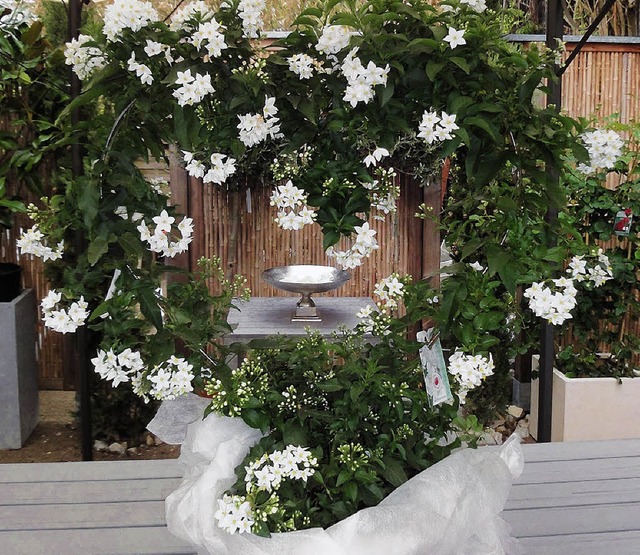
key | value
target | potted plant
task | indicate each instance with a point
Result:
(595, 382)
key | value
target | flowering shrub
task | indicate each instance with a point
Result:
(604, 316)
(358, 419)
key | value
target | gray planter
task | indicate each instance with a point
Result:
(19, 408)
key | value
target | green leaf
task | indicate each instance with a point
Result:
(256, 419)
(149, 306)
(461, 63)
(432, 69)
(477, 121)
(350, 490)
(97, 247)
(343, 477)
(88, 200)
(393, 472)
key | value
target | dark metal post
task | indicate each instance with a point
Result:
(547, 349)
(80, 355)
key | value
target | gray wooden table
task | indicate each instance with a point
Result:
(573, 498)
(264, 316)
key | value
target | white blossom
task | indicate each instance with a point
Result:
(604, 147)
(32, 241)
(127, 14)
(333, 39)
(455, 37)
(84, 60)
(301, 65)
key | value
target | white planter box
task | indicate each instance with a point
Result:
(590, 408)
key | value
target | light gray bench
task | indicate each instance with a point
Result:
(573, 498)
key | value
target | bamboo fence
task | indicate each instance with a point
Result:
(603, 80)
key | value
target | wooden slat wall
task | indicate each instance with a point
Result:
(262, 244)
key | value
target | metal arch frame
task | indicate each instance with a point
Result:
(554, 35)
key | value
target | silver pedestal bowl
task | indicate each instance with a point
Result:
(306, 280)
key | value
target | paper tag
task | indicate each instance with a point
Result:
(434, 369)
(622, 223)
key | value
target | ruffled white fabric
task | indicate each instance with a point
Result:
(451, 508)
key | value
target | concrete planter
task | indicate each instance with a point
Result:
(590, 408)
(19, 409)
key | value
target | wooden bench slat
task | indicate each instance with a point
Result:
(579, 470)
(96, 491)
(610, 543)
(107, 541)
(97, 470)
(554, 521)
(582, 450)
(82, 515)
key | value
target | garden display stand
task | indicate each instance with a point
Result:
(19, 409)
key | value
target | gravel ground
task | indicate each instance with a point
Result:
(57, 438)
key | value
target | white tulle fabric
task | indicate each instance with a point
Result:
(451, 508)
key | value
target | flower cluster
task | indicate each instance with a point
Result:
(118, 368)
(60, 319)
(364, 245)
(182, 17)
(209, 36)
(238, 514)
(597, 274)
(301, 65)
(222, 167)
(248, 381)
(141, 70)
(293, 212)
(361, 80)
(436, 128)
(604, 147)
(192, 89)
(83, 59)
(375, 157)
(250, 11)
(333, 39)
(469, 370)
(555, 299)
(372, 321)
(384, 192)
(165, 381)
(160, 240)
(31, 242)
(255, 128)
(389, 290)
(127, 14)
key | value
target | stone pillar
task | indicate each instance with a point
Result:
(19, 407)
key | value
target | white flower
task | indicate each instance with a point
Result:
(250, 11)
(127, 14)
(469, 371)
(85, 60)
(141, 70)
(183, 15)
(375, 157)
(333, 39)
(604, 147)
(31, 242)
(455, 38)
(209, 36)
(301, 65)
